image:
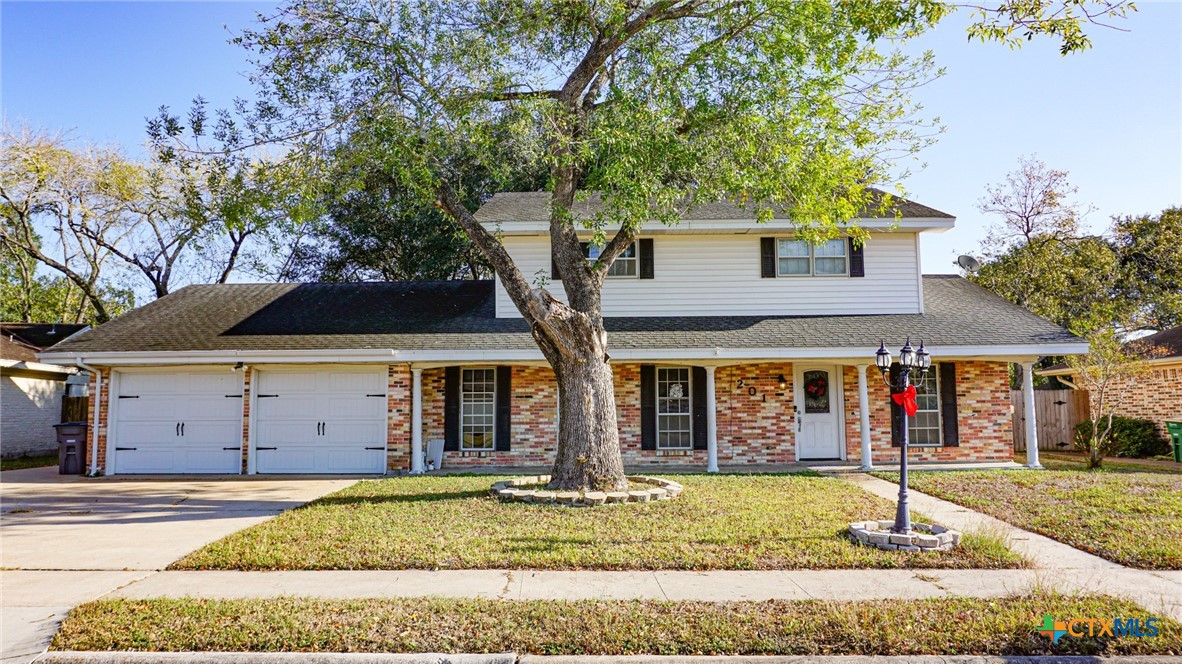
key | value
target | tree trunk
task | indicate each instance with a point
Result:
(588, 456)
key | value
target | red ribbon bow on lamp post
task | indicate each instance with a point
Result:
(906, 399)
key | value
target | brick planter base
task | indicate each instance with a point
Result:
(923, 537)
(515, 490)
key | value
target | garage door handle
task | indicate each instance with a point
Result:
(125, 449)
(233, 396)
(230, 449)
(375, 448)
(128, 396)
(178, 428)
(268, 396)
(182, 429)
(375, 395)
(260, 449)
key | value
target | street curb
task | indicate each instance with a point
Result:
(97, 657)
(87, 657)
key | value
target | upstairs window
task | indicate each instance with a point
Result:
(625, 265)
(798, 258)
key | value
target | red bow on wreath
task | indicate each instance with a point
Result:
(906, 399)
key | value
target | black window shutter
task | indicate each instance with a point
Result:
(857, 259)
(767, 257)
(896, 410)
(698, 380)
(502, 433)
(645, 247)
(648, 407)
(948, 404)
(451, 409)
(554, 273)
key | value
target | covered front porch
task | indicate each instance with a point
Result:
(719, 416)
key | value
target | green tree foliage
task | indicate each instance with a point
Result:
(375, 227)
(800, 105)
(1150, 250)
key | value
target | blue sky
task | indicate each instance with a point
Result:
(1111, 116)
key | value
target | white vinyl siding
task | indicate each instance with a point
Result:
(719, 275)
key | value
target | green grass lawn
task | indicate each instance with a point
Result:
(20, 463)
(1129, 516)
(948, 626)
(450, 522)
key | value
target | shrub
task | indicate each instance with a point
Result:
(1130, 437)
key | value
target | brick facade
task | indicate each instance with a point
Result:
(98, 398)
(755, 419)
(983, 417)
(1156, 396)
(398, 414)
(754, 428)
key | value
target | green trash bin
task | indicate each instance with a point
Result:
(1174, 428)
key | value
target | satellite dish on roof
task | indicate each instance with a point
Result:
(968, 264)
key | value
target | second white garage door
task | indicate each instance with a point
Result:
(331, 421)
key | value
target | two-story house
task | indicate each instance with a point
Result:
(730, 339)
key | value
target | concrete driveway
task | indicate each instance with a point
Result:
(65, 540)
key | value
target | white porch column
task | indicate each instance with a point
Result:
(864, 417)
(1031, 424)
(416, 422)
(711, 424)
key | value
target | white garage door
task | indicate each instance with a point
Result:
(178, 422)
(321, 421)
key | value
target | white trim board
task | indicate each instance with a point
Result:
(855, 354)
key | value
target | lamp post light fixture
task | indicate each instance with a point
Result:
(903, 393)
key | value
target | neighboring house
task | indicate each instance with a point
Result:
(31, 392)
(1157, 396)
(719, 314)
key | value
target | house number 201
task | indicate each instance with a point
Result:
(751, 389)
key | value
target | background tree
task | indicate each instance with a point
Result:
(793, 104)
(75, 195)
(377, 227)
(1150, 250)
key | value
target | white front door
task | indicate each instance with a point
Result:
(331, 421)
(178, 422)
(818, 412)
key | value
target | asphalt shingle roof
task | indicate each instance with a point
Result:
(535, 206)
(460, 315)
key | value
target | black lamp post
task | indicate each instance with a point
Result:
(909, 360)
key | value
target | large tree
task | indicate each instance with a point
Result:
(795, 105)
(1150, 250)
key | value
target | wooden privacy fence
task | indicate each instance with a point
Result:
(74, 409)
(1056, 413)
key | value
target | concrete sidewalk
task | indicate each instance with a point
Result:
(1160, 593)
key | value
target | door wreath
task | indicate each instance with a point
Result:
(816, 387)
